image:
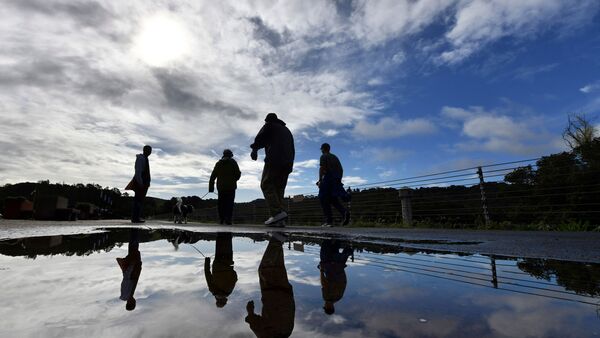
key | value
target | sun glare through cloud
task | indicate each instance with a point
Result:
(162, 39)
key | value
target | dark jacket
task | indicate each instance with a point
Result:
(278, 142)
(222, 279)
(227, 173)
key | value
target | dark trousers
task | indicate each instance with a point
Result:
(329, 190)
(138, 204)
(225, 205)
(273, 182)
(326, 202)
(330, 252)
(224, 248)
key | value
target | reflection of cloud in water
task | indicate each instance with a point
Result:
(514, 316)
(60, 296)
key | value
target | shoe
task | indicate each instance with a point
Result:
(279, 217)
(138, 221)
(326, 225)
(346, 220)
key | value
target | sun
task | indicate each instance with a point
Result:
(162, 40)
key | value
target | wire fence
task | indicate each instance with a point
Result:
(487, 195)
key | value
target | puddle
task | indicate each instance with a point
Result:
(71, 285)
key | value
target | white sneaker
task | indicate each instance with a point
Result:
(326, 225)
(280, 216)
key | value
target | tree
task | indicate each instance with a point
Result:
(521, 175)
(579, 132)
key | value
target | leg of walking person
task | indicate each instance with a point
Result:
(138, 204)
(337, 205)
(229, 202)
(269, 189)
(282, 178)
(221, 207)
(326, 206)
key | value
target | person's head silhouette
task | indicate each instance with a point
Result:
(329, 308)
(325, 148)
(227, 153)
(271, 117)
(147, 150)
(221, 301)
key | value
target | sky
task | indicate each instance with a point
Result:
(398, 88)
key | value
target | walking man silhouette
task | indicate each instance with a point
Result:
(331, 187)
(278, 142)
(227, 173)
(140, 183)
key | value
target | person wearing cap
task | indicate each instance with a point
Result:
(331, 187)
(140, 183)
(278, 142)
(227, 173)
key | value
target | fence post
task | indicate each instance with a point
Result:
(486, 215)
(494, 274)
(405, 197)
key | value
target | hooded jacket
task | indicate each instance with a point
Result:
(227, 173)
(278, 142)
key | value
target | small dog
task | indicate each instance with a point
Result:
(186, 210)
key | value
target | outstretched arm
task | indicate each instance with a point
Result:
(262, 138)
(207, 273)
(213, 176)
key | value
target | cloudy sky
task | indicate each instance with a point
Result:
(398, 88)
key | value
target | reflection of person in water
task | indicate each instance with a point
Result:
(333, 275)
(223, 277)
(278, 309)
(131, 266)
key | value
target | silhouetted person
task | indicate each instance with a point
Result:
(140, 183)
(223, 277)
(278, 142)
(331, 187)
(333, 275)
(227, 173)
(277, 296)
(131, 266)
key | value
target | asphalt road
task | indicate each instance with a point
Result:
(571, 246)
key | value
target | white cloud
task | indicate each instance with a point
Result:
(399, 57)
(379, 154)
(389, 127)
(478, 23)
(377, 21)
(312, 163)
(495, 127)
(330, 132)
(590, 88)
(353, 180)
(77, 104)
(82, 89)
(493, 132)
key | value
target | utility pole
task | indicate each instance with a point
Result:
(486, 214)
(405, 197)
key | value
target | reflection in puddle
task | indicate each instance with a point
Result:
(275, 285)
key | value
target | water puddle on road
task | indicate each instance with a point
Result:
(176, 283)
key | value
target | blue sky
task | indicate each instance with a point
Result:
(398, 88)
